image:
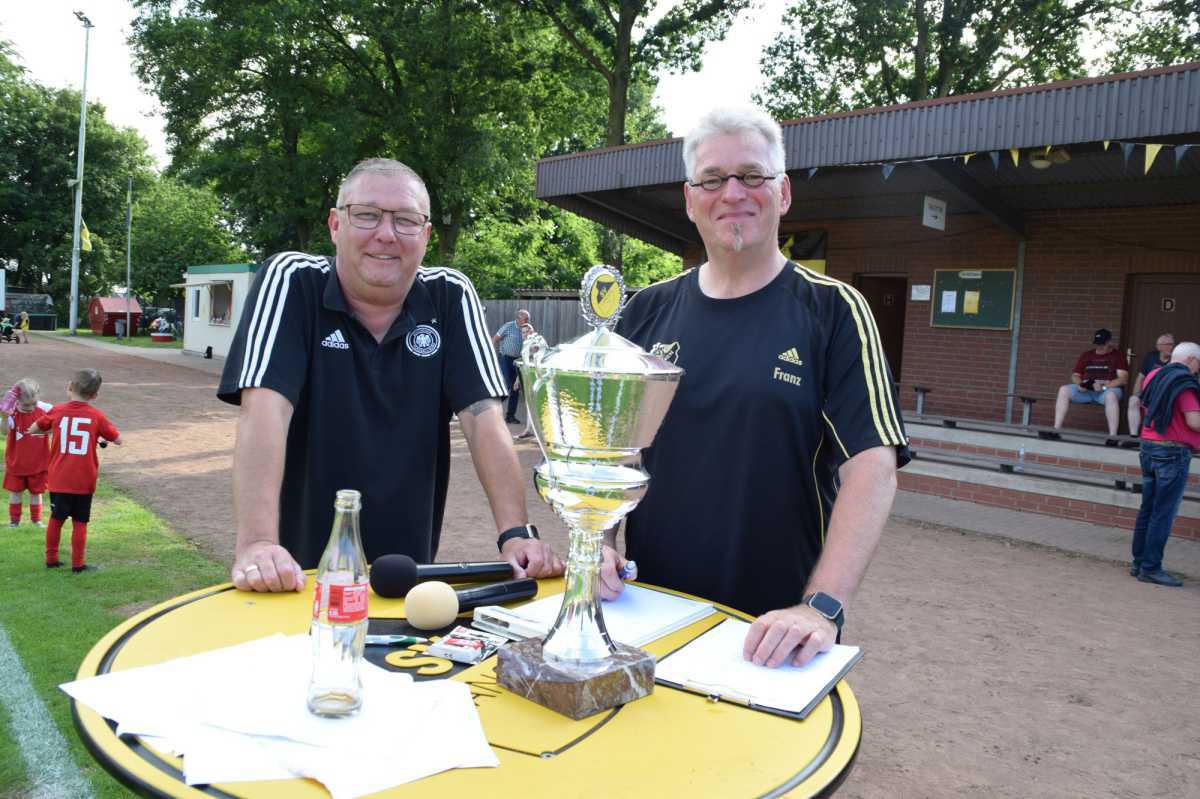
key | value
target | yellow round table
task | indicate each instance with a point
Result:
(671, 743)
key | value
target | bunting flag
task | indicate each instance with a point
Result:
(1106, 143)
(1126, 150)
(85, 238)
(812, 171)
(1016, 156)
(1180, 152)
(887, 170)
(1047, 150)
(967, 158)
(995, 159)
(1151, 154)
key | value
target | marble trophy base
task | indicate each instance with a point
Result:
(575, 691)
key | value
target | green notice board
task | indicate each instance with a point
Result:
(973, 298)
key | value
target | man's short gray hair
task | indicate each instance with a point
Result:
(732, 120)
(1185, 350)
(383, 166)
(524, 313)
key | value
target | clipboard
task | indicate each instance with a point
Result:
(747, 685)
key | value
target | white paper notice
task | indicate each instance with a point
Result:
(242, 716)
(949, 301)
(636, 617)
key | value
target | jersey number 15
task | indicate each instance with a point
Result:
(72, 438)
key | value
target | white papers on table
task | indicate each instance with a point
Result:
(239, 713)
(636, 617)
(713, 664)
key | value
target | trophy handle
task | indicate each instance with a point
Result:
(533, 352)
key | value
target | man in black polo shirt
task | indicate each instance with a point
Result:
(785, 393)
(347, 370)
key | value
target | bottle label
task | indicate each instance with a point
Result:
(348, 602)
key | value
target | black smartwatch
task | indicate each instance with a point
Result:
(523, 531)
(828, 606)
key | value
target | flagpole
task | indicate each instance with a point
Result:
(128, 255)
(74, 315)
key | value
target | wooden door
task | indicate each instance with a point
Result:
(887, 296)
(1157, 304)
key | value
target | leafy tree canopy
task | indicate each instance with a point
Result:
(39, 129)
(841, 54)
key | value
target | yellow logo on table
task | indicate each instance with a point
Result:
(605, 297)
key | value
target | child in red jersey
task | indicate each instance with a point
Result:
(26, 457)
(75, 429)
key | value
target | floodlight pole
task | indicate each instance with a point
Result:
(128, 256)
(74, 315)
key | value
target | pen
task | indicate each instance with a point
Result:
(628, 571)
(394, 640)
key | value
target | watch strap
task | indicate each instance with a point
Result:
(521, 531)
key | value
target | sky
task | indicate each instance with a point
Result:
(49, 41)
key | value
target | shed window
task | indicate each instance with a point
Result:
(220, 303)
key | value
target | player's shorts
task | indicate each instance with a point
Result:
(1083, 396)
(33, 483)
(75, 506)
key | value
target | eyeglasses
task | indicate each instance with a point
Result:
(751, 180)
(367, 217)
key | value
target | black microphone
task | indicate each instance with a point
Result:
(433, 605)
(394, 576)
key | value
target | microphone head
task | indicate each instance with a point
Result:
(393, 576)
(431, 605)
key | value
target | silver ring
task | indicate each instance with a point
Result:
(252, 566)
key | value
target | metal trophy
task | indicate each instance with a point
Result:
(595, 403)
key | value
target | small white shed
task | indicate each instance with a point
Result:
(213, 298)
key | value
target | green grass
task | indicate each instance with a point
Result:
(134, 341)
(55, 617)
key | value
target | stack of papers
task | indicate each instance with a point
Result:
(637, 617)
(240, 713)
(712, 664)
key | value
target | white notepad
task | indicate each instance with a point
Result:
(637, 617)
(712, 664)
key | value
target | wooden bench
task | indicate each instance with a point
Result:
(1121, 482)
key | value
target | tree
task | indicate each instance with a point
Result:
(604, 33)
(1155, 33)
(39, 130)
(273, 101)
(841, 54)
(175, 226)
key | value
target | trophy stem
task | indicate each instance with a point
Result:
(579, 635)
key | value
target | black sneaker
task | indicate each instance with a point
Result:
(1160, 577)
(54, 565)
(83, 568)
(1134, 568)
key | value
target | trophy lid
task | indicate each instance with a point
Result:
(603, 351)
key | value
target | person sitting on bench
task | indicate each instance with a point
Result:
(1098, 377)
(1156, 358)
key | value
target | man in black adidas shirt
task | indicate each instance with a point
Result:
(785, 395)
(347, 371)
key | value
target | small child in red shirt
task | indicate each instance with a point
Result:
(26, 457)
(75, 427)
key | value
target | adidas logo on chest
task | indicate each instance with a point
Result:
(336, 341)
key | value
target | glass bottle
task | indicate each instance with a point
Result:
(339, 622)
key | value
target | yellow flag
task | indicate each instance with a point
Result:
(1016, 156)
(85, 238)
(1151, 154)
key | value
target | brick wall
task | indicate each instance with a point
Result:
(1074, 283)
(1029, 502)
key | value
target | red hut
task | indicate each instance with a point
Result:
(103, 313)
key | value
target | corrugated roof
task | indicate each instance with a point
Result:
(1136, 105)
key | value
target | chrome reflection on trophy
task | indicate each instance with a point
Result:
(595, 403)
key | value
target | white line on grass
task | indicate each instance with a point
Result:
(47, 759)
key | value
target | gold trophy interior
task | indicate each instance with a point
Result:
(595, 403)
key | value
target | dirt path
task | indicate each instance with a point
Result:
(992, 669)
